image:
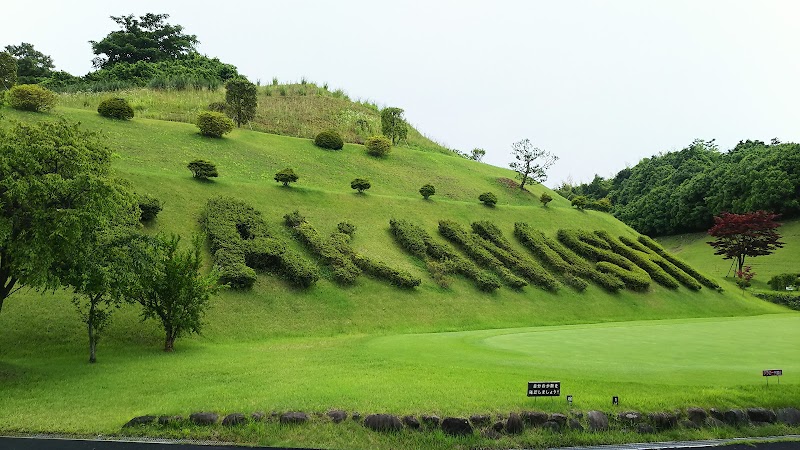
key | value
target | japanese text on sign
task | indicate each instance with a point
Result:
(544, 388)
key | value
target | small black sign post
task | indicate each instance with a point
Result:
(569, 400)
(772, 373)
(615, 400)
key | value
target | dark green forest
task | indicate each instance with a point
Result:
(679, 192)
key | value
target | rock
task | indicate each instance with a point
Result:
(717, 414)
(630, 417)
(713, 422)
(552, 426)
(383, 422)
(480, 420)
(455, 426)
(234, 419)
(789, 416)
(498, 426)
(274, 415)
(697, 415)
(576, 414)
(514, 424)
(574, 424)
(356, 416)
(558, 418)
(490, 434)
(644, 428)
(257, 416)
(293, 418)
(762, 415)
(139, 420)
(691, 425)
(337, 415)
(166, 420)
(411, 422)
(663, 420)
(597, 421)
(734, 417)
(533, 418)
(204, 418)
(431, 421)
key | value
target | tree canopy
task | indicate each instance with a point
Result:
(741, 235)
(393, 125)
(56, 190)
(241, 99)
(531, 162)
(33, 66)
(147, 38)
(8, 71)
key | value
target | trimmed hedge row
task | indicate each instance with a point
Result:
(641, 260)
(597, 249)
(561, 260)
(527, 268)
(418, 242)
(379, 269)
(781, 298)
(241, 242)
(683, 277)
(653, 245)
(342, 267)
(454, 233)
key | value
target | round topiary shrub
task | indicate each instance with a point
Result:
(427, 190)
(360, 184)
(286, 176)
(149, 206)
(203, 169)
(214, 124)
(378, 145)
(329, 139)
(31, 97)
(115, 108)
(488, 198)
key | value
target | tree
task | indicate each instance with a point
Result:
(8, 71)
(741, 235)
(175, 292)
(203, 169)
(531, 162)
(241, 98)
(146, 38)
(213, 124)
(378, 145)
(286, 176)
(360, 184)
(55, 191)
(427, 190)
(488, 198)
(33, 66)
(545, 198)
(393, 125)
(477, 154)
(580, 202)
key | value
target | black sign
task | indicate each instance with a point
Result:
(615, 400)
(544, 388)
(772, 373)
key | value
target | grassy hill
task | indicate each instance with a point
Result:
(368, 347)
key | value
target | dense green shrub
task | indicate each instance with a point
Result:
(378, 145)
(329, 139)
(293, 219)
(342, 267)
(789, 299)
(603, 204)
(379, 269)
(427, 191)
(214, 124)
(286, 176)
(488, 198)
(115, 108)
(360, 184)
(782, 281)
(149, 206)
(580, 202)
(239, 236)
(653, 245)
(31, 97)
(346, 228)
(545, 198)
(597, 249)
(656, 272)
(410, 236)
(683, 277)
(203, 169)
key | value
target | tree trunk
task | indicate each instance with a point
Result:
(524, 179)
(92, 335)
(7, 283)
(740, 261)
(169, 342)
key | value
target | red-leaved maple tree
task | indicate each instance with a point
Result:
(741, 235)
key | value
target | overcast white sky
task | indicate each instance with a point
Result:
(601, 84)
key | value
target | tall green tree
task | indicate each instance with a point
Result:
(393, 125)
(175, 291)
(146, 38)
(8, 71)
(531, 162)
(33, 66)
(241, 99)
(56, 189)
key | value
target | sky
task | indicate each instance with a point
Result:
(601, 84)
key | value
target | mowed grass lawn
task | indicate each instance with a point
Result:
(650, 365)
